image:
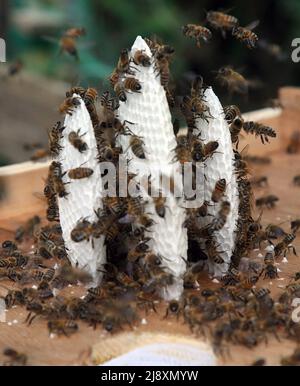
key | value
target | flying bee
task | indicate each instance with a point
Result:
(56, 173)
(267, 201)
(132, 84)
(270, 270)
(219, 190)
(246, 35)
(296, 180)
(259, 129)
(233, 80)
(231, 112)
(285, 245)
(68, 106)
(75, 32)
(54, 136)
(295, 225)
(140, 58)
(212, 252)
(136, 145)
(75, 139)
(221, 21)
(78, 173)
(15, 358)
(235, 129)
(259, 182)
(197, 32)
(159, 203)
(62, 327)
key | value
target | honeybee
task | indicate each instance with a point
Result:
(15, 68)
(68, 106)
(296, 180)
(220, 220)
(90, 96)
(235, 129)
(75, 139)
(15, 358)
(267, 201)
(121, 128)
(212, 251)
(83, 231)
(136, 145)
(259, 182)
(259, 129)
(62, 327)
(174, 308)
(75, 32)
(203, 210)
(231, 112)
(119, 89)
(151, 259)
(57, 178)
(14, 261)
(234, 81)
(123, 67)
(270, 270)
(54, 136)
(138, 251)
(221, 21)
(210, 148)
(78, 173)
(52, 213)
(197, 32)
(132, 84)
(182, 150)
(295, 225)
(285, 245)
(140, 58)
(159, 203)
(246, 35)
(219, 190)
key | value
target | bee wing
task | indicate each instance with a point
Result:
(252, 25)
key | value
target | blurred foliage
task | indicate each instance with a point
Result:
(113, 24)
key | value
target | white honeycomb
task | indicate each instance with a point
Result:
(84, 194)
(220, 165)
(149, 111)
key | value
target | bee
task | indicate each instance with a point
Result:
(220, 220)
(270, 270)
(69, 104)
(123, 67)
(8, 247)
(151, 259)
(39, 154)
(136, 145)
(285, 245)
(182, 150)
(210, 149)
(14, 261)
(191, 275)
(197, 32)
(140, 58)
(28, 229)
(235, 129)
(76, 141)
(132, 84)
(234, 81)
(174, 308)
(11, 273)
(56, 174)
(221, 21)
(54, 137)
(231, 112)
(241, 166)
(90, 96)
(246, 35)
(52, 213)
(83, 230)
(267, 201)
(259, 362)
(78, 173)
(115, 205)
(62, 327)
(212, 252)
(259, 182)
(294, 144)
(292, 360)
(259, 129)
(138, 251)
(159, 279)
(296, 180)
(159, 203)
(75, 32)
(121, 128)
(219, 190)
(15, 358)
(15, 68)
(119, 89)
(295, 225)
(68, 44)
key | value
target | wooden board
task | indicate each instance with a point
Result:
(42, 349)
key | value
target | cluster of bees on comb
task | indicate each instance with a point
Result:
(237, 311)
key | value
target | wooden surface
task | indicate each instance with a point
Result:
(42, 349)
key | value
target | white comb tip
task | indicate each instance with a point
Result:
(140, 44)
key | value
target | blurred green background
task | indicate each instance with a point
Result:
(113, 24)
